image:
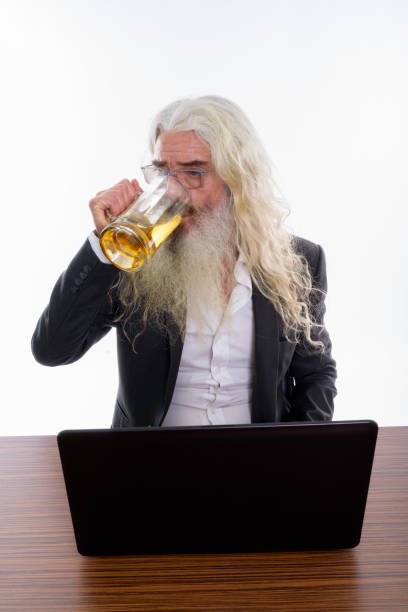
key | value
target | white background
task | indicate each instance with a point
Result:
(325, 84)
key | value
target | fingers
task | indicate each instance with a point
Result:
(113, 201)
(136, 186)
(99, 216)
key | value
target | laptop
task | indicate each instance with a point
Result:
(218, 489)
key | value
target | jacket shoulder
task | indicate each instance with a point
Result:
(310, 250)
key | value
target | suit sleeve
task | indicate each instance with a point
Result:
(80, 311)
(314, 372)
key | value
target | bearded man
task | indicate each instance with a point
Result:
(225, 324)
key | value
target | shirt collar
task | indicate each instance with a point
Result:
(241, 273)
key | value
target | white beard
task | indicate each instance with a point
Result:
(194, 266)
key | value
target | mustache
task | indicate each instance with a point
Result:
(191, 211)
(205, 210)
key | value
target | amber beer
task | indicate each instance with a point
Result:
(128, 243)
(132, 239)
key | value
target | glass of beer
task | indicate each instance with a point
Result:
(133, 238)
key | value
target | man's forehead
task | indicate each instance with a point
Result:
(182, 145)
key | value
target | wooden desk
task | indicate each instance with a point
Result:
(40, 568)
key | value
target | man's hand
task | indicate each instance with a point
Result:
(113, 201)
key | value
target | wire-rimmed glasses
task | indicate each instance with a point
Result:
(189, 178)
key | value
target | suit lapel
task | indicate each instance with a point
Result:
(264, 399)
(175, 345)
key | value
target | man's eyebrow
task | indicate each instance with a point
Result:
(195, 162)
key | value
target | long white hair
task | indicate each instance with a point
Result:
(240, 160)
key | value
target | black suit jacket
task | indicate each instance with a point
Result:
(292, 383)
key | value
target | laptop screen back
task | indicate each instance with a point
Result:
(218, 489)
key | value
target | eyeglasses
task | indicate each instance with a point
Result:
(191, 179)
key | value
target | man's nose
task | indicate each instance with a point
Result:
(175, 189)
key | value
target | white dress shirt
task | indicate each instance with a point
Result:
(97, 249)
(215, 378)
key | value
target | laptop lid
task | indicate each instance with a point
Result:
(259, 487)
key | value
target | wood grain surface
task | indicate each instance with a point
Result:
(40, 568)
